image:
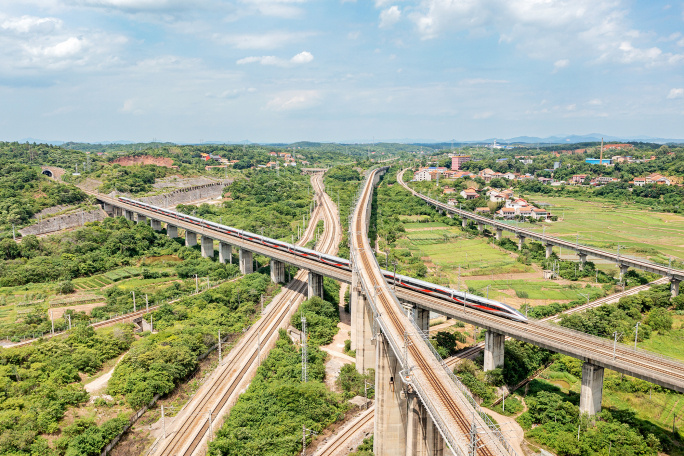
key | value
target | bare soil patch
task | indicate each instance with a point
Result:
(145, 160)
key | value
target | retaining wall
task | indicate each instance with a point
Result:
(62, 222)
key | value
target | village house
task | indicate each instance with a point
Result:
(470, 193)
(578, 179)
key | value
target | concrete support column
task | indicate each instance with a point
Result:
(207, 247)
(674, 287)
(499, 234)
(225, 253)
(246, 261)
(108, 208)
(353, 307)
(141, 218)
(493, 350)
(171, 231)
(582, 259)
(390, 406)
(128, 215)
(480, 227)
(623, 271)
(277, 271)
(422, 318)
(190, 238)
(464, 222)
(450, 215)
(549, 250)
(363, 319)
(521, 242)
(416, 435)
(155, 224)
(592, 389)
(315, 285)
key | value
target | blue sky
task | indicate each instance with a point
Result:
(289, 70)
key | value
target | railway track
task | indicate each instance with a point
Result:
(196, 422)
(454, 418)
(340, 443)
(593, 251)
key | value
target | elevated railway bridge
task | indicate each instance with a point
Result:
(395, 343)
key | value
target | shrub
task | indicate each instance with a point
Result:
(65, 287)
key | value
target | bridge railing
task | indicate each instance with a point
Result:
(407, 374)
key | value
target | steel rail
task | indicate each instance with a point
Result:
(663, 270)
(446, 405)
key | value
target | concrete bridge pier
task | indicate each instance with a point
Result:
(674, 287)
(582, 260)
(464, 222)
(365, 337)
(521, 242)
(128, 215)
(480, 227)
(155, 224)
(592, 389)
(422, 436)
(225, 253)
(190, 238)
(277, 271)
(499, 234)
(422, 319)
(246, 262)
(623, 270)
(315, 285)
(391, 412)
(493, 350)
(171, 231)
(142, 219)
(207, 247)
(108, 208)
(549, 250)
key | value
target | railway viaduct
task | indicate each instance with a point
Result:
(583, 251)
(415, 431)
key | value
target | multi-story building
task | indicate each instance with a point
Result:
(458, 160)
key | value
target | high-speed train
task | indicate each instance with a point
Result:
(468, 300)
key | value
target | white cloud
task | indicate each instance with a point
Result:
(560, 64)
(475, 81)
(35, 43)
(354, 35)
(676, 93)
(482, 115)
(134, 6)
(301, 58)
(543, 29)
(680, 42)
(595, 102)
(31, 24)
(270, 40)
(129, 108)
(295, 100)
(390, 16)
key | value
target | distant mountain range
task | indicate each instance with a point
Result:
(555, 139)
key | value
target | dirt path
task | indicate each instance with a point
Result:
(101, 382)
(336, 348)
(510, 429)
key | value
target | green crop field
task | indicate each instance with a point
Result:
(546, 290)
(604, 225)
(415, 226)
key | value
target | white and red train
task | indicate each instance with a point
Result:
(469, 300)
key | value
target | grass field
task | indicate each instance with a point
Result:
(657, 407)
(416, 226)
(546, 290)
(604, 225)
(669, 344)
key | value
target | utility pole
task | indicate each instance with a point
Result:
(134, 308)
(305, 354)
(147, 304)
(636, 334)
(53, 322)
(304, 436)
(196, 284)
(219, 344)
(163, 422)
